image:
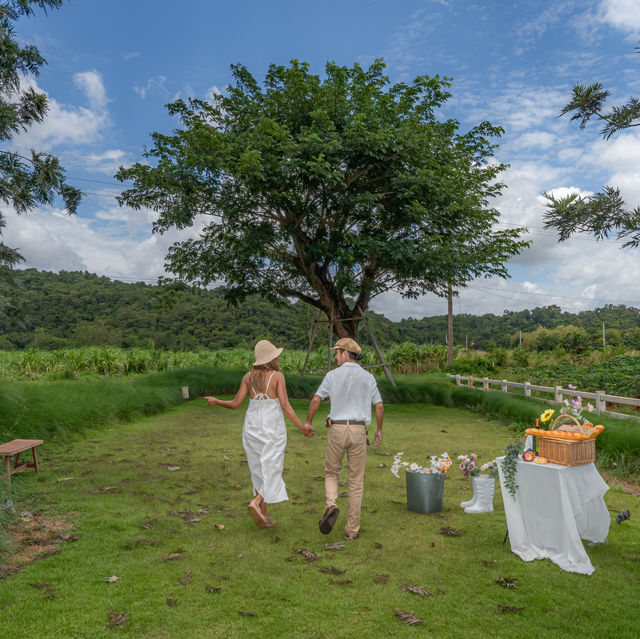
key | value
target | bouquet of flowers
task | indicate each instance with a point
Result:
(469, 465)
(574, 407)
(438, 465)
(491, 467)
(571, 406)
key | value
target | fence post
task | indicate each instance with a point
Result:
(470, 381)
(527, 390)
(601, 405)
(458, 383)
(503, 387)
(485, 383)
(185, 392)
(558, 395)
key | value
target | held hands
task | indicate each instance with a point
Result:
(377, 439)
(212, 401)
(308, 430)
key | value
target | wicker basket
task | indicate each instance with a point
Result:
(568, 452)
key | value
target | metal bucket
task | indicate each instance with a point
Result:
(424, 492)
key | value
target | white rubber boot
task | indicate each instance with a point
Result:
(483, 490)
(466, 504)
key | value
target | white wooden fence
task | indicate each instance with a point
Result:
(600, 397)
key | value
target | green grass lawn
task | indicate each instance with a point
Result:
(108, 485)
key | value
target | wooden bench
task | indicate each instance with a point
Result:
(14, 448)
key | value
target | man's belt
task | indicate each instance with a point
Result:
(348, 422)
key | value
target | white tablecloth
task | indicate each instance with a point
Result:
(554, 509)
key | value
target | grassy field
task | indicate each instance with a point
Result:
(177, 484)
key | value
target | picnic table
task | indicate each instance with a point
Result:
(555, 508)
(13, 449)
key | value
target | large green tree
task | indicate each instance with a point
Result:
(25, 181)
(603, 213)
(331, 190)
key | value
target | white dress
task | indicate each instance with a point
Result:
(264, 437)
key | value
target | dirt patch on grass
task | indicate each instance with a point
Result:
(631, 487)
(34, 536)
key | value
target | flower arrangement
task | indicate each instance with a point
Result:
(574, 407)
(439, 465)
(469, 465)
(491, 467)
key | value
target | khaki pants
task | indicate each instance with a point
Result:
(350, 439)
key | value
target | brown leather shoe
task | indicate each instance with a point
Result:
(328, 520)
(349, 536)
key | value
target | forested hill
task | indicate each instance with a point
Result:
(78, 309)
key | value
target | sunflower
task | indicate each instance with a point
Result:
(547, 415)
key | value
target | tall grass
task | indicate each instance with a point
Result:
(59, 409)
(48, 409)
(71, 363)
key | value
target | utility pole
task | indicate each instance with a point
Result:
(603, 338)
(450, 331)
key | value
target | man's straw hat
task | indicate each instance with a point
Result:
(265, 352)
(347, 344)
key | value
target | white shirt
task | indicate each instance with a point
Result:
(352, 391)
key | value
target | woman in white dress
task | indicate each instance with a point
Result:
(264, 435)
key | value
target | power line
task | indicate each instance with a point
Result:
(72, 177)
(568, 297)
(543, 233)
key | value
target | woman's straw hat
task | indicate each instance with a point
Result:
(265, 352)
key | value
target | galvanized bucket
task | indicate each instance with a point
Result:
(424, 492)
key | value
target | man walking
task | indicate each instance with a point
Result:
(352, 391)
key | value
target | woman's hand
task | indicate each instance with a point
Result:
(212, 401)
(308, 430)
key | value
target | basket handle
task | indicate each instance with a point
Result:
(564, 418)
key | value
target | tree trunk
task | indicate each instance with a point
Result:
(345, 320)
(450, 327)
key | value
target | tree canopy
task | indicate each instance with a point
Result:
(603, 213)
(330, 190)
(25, 181)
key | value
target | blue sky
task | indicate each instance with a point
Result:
(112, 66)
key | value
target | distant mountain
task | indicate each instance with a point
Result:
(79, 309)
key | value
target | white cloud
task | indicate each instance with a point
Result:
(116, 243)
(107, 162)
(66, 124)
(620, 157)
(622, 14)
(539, 139)
(156, 84)
(618, 153)
(91, 83)
(535, 28)
(521, 107)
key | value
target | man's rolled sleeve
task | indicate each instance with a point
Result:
(324, 390)
(375, 393)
